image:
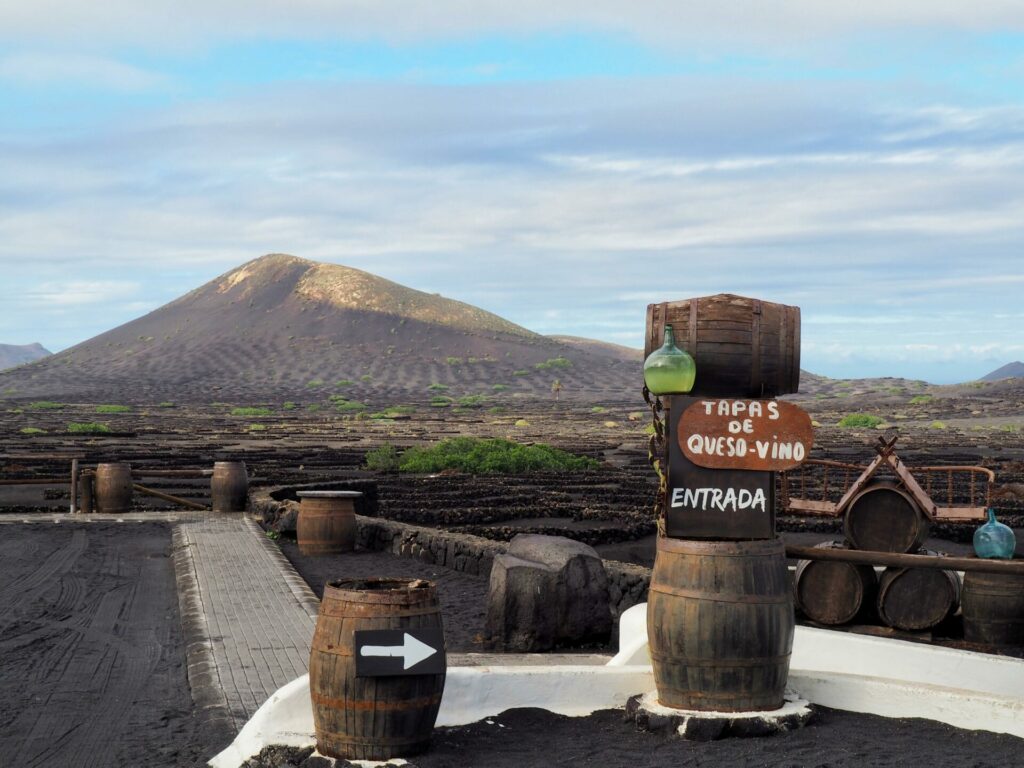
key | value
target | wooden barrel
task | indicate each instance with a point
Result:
(229, 486)
(993, 608)
(916, 599)
(883, 517)
(113, 488)
(720, 624)
(743, 347)
(327, 522)
(371, 718)
(86, 493)
(834, 593)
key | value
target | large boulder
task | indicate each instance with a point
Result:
(547, 591)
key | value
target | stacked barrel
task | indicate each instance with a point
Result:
(881, 517)
(720, 608)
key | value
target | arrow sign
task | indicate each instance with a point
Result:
(385, 652)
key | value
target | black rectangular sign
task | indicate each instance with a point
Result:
(702, 503)
(391, 652)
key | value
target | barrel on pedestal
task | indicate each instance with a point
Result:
(327, 522)
(993, 608)
(743, 347)
(834, 593)
(229, 486)
(720, 624)
(113, 488)
(371, 718)
(883, 517)
(916, 599)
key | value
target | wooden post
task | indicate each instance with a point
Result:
(74, 486)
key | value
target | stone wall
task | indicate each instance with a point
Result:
(627, 584)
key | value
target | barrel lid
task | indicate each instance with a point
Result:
(329, 494)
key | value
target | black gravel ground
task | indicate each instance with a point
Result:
(463, 597)
(92, 663)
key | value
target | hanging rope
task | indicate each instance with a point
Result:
(656, 455)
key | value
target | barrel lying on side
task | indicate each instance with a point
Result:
(916, 599)
(720, 624)
(371, 718)
(993, 608)
(834, 593)
(884, 518)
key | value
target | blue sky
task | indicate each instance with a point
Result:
(562, 167)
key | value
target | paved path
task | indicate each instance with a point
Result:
(248, 618)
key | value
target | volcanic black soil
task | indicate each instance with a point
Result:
(463, 597)
(536, 738)
(92, 662)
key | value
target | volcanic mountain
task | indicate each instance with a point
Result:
(1009, 371)
(14, 354)
(287, 328)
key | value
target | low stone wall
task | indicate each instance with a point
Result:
(627, 584)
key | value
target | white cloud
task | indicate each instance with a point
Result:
(68, 69)
(782, 22)
(82, 293)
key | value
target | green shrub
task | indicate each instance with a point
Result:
(521, 372)
(32, 431)
(522, 423)
(598, 409)
(383, 459)
(472, 401)
(313, 407)
(87, 428)
(860, 420)
(113, 409)
(499, 387)
(257, 427)
(440, 401)
(498, 409)
(918, 399)
(347, 406)
(249, 411)
(45, 405)
(453, 360)
(166, 404)
(491, 455)
(938, 425)
(315, 383)
(552, 363)
(365, 378)
(345, 383)
(289, 406)
(435, 387)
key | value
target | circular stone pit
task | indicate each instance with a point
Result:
(649, 715)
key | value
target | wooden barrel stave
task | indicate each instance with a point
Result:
(373, 718)
(327, 522)
(917, 599)
(834, 593)
(728, 328)
(113, 488)
(993, 608)
(229, 486)
(720, 624)
(883, 517)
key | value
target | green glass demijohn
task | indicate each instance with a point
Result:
(669, 370)
(994, 540)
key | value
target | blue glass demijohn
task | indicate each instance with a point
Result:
(994, 540)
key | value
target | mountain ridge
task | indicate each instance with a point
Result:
(12, 355)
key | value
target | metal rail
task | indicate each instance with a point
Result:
(899, 560)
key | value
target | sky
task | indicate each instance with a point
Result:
(560, 166)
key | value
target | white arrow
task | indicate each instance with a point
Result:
(412, 651)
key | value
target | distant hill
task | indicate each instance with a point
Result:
(288, 328)
(1008, 371)
(14, 354)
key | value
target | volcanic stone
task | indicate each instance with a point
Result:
(545, 592)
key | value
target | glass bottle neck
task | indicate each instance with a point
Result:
(670, 338)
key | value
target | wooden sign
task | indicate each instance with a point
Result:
(761, 435)
(703, 503)
(391, 652)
